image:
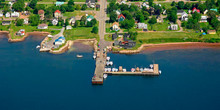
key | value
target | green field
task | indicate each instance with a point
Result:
(77, 13)
(80, 33)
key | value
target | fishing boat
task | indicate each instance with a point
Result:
(105, 76)
(94, 57)
(151, 66)
(107, 58)
(160, 71)
(124, 70)
(79, 56)
(132, 69)
(38, 46)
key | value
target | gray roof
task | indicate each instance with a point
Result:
(180, 11)
(91, 1)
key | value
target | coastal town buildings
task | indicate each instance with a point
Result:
(61, 40)
(57, 14)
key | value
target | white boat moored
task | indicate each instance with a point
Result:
(107, 58)
(38, 46)
(151, 65)
(94, 57)
(79, 56)
(105, 76)
(160, 71)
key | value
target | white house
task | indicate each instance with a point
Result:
(26, 20)
(90, 3)
(68, 27)
(115, 26)
(15, 14)
(173, 27)
(184, 16)
(61, 40)
(7, 15)
(203, 19)
(42, 26)
(1, 14)
(141, 26)
(54, 21)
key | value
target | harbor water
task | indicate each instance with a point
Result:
(30, 80)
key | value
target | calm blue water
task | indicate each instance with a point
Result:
(30, 80)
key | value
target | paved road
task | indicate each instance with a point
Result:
(50, 44)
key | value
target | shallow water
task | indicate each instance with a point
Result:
(30, 80)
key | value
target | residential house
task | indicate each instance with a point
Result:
(195, 10)
(61, 40)
(184, 17)
(54, 21)
(89, 18)
(59, 3)
(57, 14)
(127, 44)
(115, 26)
(203, 19)
(68, 27)
(26, 20)
(6, 22)
(211, 32)
(21, 32)
(180, 12)
(1, 13)
(145, 5)
(41, 14)
(218, 18)
(173, 27)
(72, 20)
(15, 14)
(118, 12)
(114, 36)
(8, 14)
(159, 19)
(42, 26)
(121, 17)
(141, 26)
(90, 3)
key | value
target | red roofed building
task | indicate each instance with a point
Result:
(195, 10)
(41, 14)
(57, 14)
(121, 17)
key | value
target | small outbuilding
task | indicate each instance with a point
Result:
(211, 32)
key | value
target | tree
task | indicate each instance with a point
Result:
(71, 2)
(113, 17)
(188, 5)
(19, 5)
(133, 35)
(153, 20)
(95, 30)
(66, 22)
(83, 20)
(196, 16)
(140, 17)
(84, 7)
(202, 7)
(172, 15)
(34, 20)
(158, 9)
(146, 15)
(62, 9)
(127, 14)
(62, 22)
(173, 3)
(180, 4)
(127, 24)
(77, 23)
(20, 22)
(150, 2)
(123, 7)
(33, 4)
(70, 8)
(209, 4)
(218, 3)
(78, 7)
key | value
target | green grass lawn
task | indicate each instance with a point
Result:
(166, 5)
(80, 33)
(76, 13)
(108, 37)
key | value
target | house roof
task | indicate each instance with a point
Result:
(115, 23)
(214, 10)
(203, 17)
(197, 10)
(57, 11)
(42, 25)
(121, 15)
(211, 31)
(40, 12)
(6, 22)
(90, 16)
(91, 1)
(180, 11)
